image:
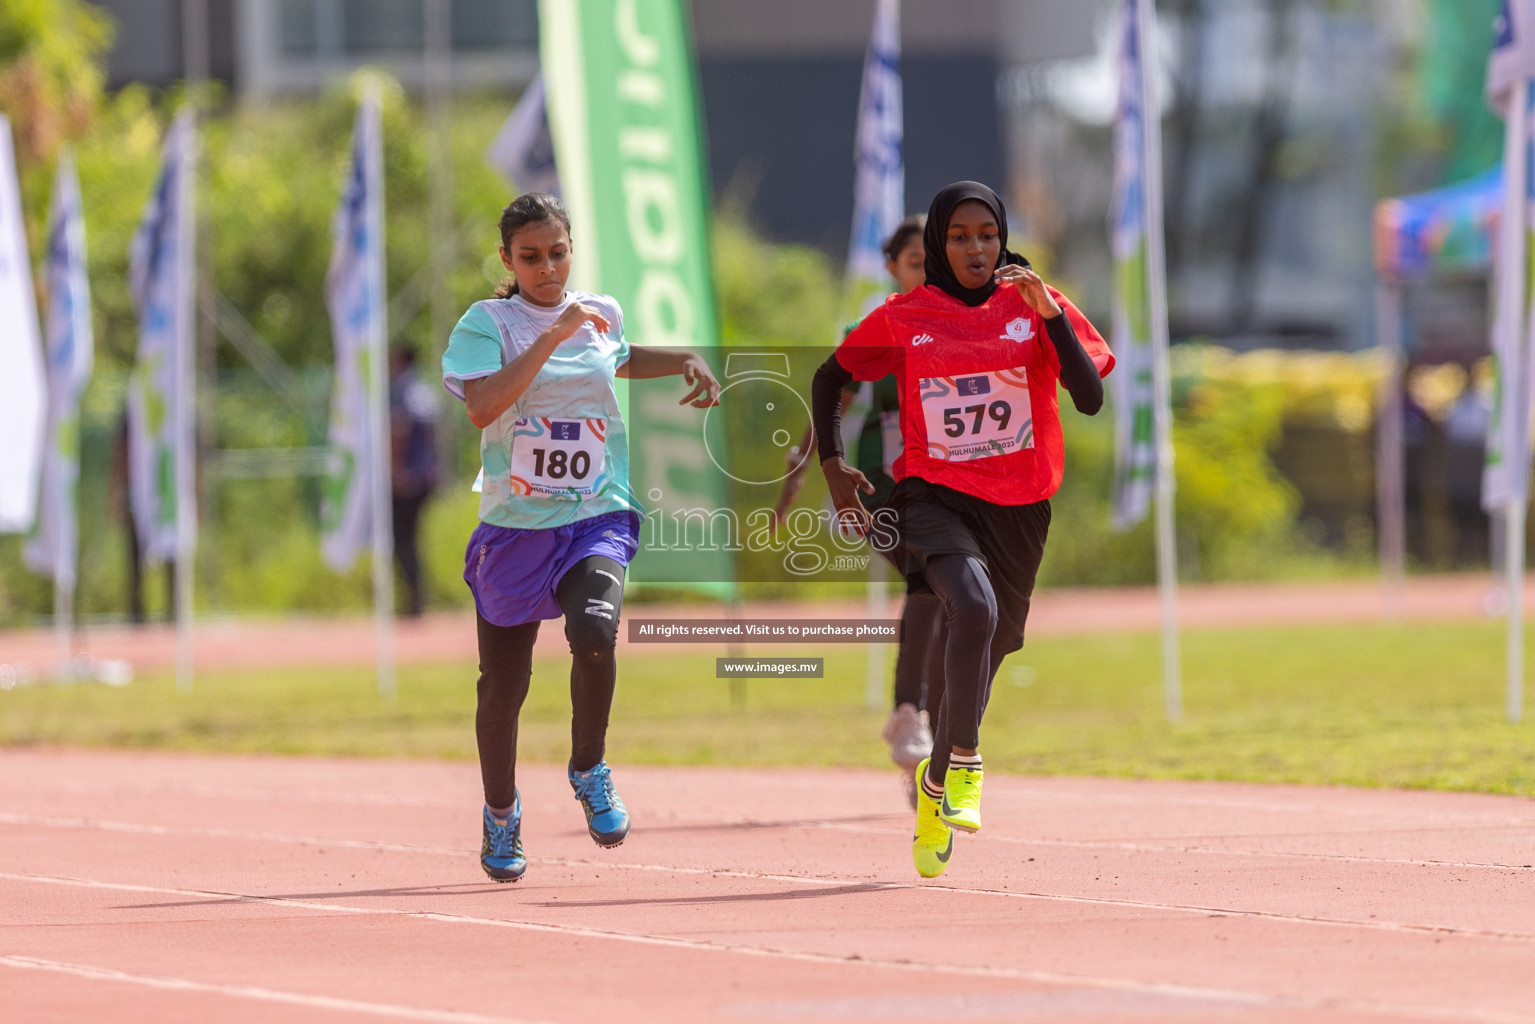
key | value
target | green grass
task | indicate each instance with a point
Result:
(1418, 706)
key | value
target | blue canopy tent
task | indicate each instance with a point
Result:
(1449, 231)
(1446, 233)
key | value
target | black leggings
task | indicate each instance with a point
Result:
(973, 651)
(591, 595)
(919, 659)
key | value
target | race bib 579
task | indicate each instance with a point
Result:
(977, 415)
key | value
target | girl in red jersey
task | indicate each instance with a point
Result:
(977, 351)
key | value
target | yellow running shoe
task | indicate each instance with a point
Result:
(933, 842)
(961, 806)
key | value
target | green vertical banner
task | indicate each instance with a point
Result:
(623, 110)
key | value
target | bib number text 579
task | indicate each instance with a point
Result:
(998, 412)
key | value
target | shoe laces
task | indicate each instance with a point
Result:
(595, 788)
(931, 829)
(503, 840)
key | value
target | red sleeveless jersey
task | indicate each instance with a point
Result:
(978, 388)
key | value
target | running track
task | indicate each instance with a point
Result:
(160, 887)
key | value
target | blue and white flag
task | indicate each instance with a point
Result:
(354, 293)
(1513, 51)
(161, 399)
(70, 346)
(523, 150)
(879, 186)
(1130, 387)
(1510, 69)
(879, 183)
(22, 388)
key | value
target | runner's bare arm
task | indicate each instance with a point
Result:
(647, 362)
(486, 398)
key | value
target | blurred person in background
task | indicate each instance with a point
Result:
(1465, 429)
(120, 502)
(413, 461)
(919, 658)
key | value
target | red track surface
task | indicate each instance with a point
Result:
(153, 887)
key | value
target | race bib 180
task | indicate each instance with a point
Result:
(977, 415)
(558, 458)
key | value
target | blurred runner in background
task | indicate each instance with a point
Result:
(413, 458)
(919, 659)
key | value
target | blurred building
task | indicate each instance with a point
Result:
(1274, 116)
(263, 48)
(780, 80)
(1273, 112)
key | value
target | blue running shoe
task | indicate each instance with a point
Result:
(606, 817)
(501, 850)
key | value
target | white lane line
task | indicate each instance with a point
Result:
(1167, 846)
(268, 995)
(820, 880)
(136, 828)
(1060, 978)
(1170, 846)
(1049, 795)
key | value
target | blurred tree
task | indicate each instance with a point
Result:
(771, 294)
(51, 75)
(1452, 73)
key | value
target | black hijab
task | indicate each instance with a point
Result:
(935, 236)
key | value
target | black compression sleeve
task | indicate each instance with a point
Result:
(1077, 370)
(826, 406)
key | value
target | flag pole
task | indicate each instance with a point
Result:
(1512, 284)
(876, 606)
(1390, 490)
(1162, 415)
(63, 629)
(186, 403)
(378, 409)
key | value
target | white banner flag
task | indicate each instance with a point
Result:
(1509, 70)
(53, 547)
(161, 265)
(354, 292)
(879, 183)
(1130, 386)
(879, 186)
(22, 387)
(1513, 51)
(523, 150)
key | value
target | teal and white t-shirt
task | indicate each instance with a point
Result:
(560, 453)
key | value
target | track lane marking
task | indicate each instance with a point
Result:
(1179, 908)
(1453, 819)
(1167, 846)
(1057, 978)
(32, 963)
